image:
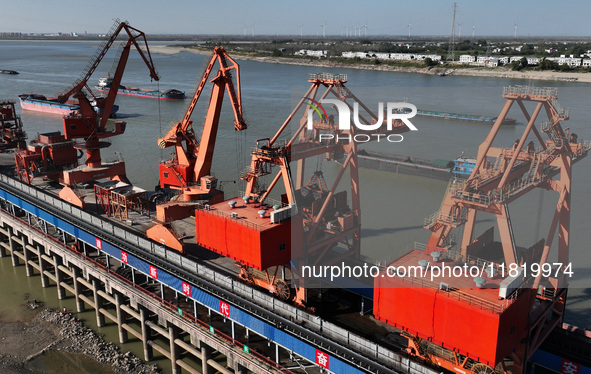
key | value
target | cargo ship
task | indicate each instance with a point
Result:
(105, 83)
(440, 169)
(436, 169)
(41, 103)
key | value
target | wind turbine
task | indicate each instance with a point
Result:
(301, 32)
(473, 29)
(323, 30)
(515, 32)
(253, 30)
(409, 28)
(365, 28)
(244, 28)
(460, 30)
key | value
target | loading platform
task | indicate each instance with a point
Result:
(82, 248)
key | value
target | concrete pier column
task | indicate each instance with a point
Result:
(98, 304)
(59, 277)
(28, 268)
(77, 289)
(3, 250)
(12, 245)
(239, 369)
(148, 351)
(120, 318)
(205, 356)
(174, 350)
(42, 269)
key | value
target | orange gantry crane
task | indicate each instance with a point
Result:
(189, 170)
(12, 134)
(55, 155)
(309, 219)
(494, 314)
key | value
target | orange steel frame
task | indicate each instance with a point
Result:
(191, 161)
(199, 157)
(11, 127)
(303, 145)
(117, 205)
(491, 187)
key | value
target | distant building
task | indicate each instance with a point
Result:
(489, 61)
(467, 59)
(515, 58)
(312, 53)
(502, 60)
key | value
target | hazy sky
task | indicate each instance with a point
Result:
(383, 17)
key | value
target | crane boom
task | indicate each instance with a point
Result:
(134, 34)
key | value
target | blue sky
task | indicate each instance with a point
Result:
(280, 17)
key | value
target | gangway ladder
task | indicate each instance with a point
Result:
(531, 176)
(505, 208)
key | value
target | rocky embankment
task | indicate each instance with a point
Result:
(50, 329)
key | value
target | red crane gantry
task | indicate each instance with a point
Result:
(310, 220)
(499, 318)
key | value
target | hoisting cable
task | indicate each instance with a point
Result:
(160, 120)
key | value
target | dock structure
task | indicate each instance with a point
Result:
(176, 307)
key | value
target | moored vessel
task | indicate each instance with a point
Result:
(104, 85)
(41, 103)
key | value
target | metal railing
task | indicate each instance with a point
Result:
(458, 294)
(268, 201)
(562, 112)
(219, 213)
(328, 76)
(172, 307)
(445, 218)
(529, 90)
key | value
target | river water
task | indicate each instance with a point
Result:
(393, 206)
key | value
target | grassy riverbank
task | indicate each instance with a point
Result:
(499, 72)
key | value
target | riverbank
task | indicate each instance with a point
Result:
(477, 72)
(24, 344)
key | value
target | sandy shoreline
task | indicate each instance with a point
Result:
(476, 72)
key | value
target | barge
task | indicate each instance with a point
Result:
(104, 85)
(43, 104)
(509, 121)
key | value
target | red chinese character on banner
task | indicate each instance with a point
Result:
(322, 359)
(153, 272)
(224, 308)
(124, 257)
(99, 244)
(569, 367)
(187, 289)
